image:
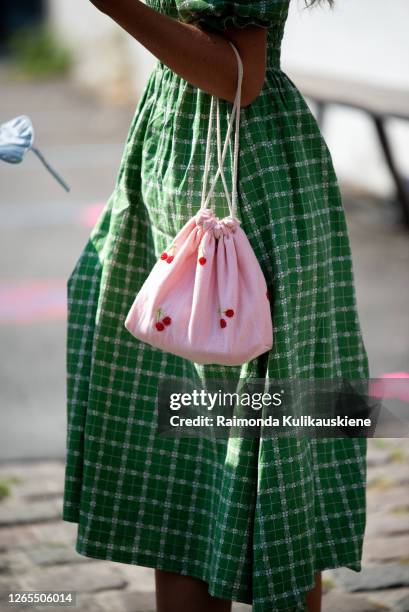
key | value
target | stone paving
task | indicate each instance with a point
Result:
(37, 548)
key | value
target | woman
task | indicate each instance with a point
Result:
(250, 520)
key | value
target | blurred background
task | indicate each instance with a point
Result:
(79, 76)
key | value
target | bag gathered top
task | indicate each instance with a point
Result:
(206, 297)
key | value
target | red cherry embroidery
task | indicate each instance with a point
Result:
(160, 325)
(229, 313)
(168, 254)
(201, 255)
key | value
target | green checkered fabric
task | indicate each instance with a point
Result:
(254, 518)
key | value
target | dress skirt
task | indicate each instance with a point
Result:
(254, 518)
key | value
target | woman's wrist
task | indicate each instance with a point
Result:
(102, 5)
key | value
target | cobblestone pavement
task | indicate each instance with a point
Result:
(37, 548)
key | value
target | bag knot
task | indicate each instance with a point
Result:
(207, 220)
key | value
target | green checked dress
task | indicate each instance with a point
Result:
(254, 518)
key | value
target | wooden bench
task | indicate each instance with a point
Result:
(380, 103)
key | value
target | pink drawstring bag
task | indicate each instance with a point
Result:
(206, 297)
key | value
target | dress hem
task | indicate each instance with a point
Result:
(143, 561)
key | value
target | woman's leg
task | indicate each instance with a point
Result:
(184, 594)
(177, 593)
(314, 597)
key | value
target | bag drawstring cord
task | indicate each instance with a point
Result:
(235, 114)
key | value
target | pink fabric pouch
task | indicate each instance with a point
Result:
(206, 297)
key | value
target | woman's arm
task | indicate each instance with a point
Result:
(204, 59)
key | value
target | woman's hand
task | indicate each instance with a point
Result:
(204, 59)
